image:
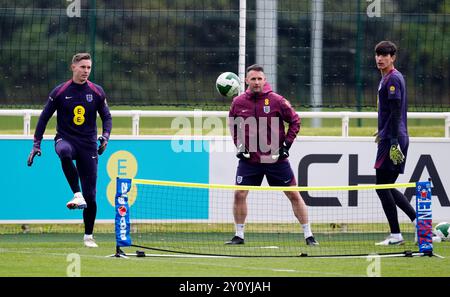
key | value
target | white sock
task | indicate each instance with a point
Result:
(88, 236)
(307, 230)
(397, 236)
(240, 230)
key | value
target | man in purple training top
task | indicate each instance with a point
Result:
(257, 120)
(392, 139)
(77, 102)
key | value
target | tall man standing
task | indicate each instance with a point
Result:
(77, 102)
(257, 120)
(392, 139)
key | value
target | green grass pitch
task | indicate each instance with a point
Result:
(48, 255)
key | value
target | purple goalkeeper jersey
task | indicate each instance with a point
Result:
(263, 130)
(77, 106)
(392, 87)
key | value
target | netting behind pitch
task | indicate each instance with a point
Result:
(198, 219)
(170, 52)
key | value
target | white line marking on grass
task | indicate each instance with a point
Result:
(439, 256)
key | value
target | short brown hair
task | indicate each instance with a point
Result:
(80, 56)
(386, 48)
(255, 67)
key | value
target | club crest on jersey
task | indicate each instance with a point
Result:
(266, 109)
(89, 97)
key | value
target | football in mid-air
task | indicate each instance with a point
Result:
(228, 84)
(442, 230)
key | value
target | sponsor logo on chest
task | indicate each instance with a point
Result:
(266, 107)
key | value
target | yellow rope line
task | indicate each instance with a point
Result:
(265, 188)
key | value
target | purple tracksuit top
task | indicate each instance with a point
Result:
(77, 106)
(256, 120)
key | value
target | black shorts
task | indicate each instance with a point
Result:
(278, 174)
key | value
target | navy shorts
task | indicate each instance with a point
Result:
(86, 158)
(278, 174)
(384, 162)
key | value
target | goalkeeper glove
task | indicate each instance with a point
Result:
(36, 150)
(103, 143)
(243, 153)
(396, 155)
(282, 152)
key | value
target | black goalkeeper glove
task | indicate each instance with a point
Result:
(103, 143)
(243, 152)
(36, 150)
(282, 153)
